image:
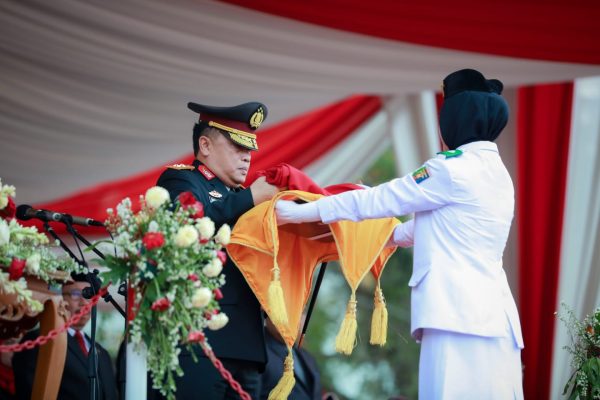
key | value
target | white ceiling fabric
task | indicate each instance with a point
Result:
(96, 91)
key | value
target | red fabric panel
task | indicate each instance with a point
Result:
(285, 176)
(557, 30)
(297, 141)
(543, 131)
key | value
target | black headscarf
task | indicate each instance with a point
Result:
(473, 109)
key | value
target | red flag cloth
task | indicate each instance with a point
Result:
(285, 176)
(79, 336)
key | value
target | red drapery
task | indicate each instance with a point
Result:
(557, 30)
(543, 131)
(297, 141)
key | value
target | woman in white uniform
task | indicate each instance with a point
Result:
(462, 309)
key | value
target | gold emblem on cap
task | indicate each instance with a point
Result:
(257, 118)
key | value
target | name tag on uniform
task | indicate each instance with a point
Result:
(421, 174)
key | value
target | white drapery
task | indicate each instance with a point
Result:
(579, 278)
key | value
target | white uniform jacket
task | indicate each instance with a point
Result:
(463, 207)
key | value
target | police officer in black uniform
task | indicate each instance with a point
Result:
(224, 138)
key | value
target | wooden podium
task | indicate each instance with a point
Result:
(16, 317)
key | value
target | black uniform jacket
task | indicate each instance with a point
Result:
(243, 336)
(75, 382)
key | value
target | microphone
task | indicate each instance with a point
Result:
(25, 212)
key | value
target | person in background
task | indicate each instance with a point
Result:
(462, 309)
(224, 139)
(75, 383)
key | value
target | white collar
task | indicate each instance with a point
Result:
(480, 145)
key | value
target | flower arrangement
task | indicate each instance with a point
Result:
(585, 352)
(173, 259)
(25, 251)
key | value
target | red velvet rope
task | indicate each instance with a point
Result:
(30, 344)
(224, 373)
(40, 340)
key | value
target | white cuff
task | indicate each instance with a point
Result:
(289, 212)
(404, 234)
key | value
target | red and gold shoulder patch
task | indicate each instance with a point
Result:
(180, 166)
(208, 174)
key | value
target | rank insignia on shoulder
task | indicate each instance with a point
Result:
(180, 166)
(215, 194)
(421, 174)
(208, 174)
(451, 153)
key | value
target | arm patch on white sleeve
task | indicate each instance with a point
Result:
(420, 175)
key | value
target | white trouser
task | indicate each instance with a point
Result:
(456, 366)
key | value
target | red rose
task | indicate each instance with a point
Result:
(160, 304)
(221, 255)
(15, 271)
(9, 211)
(193, 277)
(198, 210)
(153, 240)
(195, 337)
(187, 200)
(203, 241)
(218, 294)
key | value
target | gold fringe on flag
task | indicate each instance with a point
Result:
(285, 385)
(276, 300)
(379, 321)
(346, 338)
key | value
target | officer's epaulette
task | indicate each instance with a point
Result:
(451, 153)
(181, 166)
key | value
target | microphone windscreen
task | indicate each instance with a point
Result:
(22, 212)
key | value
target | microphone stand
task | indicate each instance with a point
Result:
(107, 296)
(92, 356)
(95, 286)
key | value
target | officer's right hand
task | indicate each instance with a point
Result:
(262, 191)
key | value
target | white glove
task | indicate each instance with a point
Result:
(289, 212)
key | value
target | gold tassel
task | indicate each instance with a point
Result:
(379, 321)
(285, 385)
(276, 300)
(346, 337)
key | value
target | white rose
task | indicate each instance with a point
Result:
(4, 233)
(206, 227)
(157, 196)
(201, 297)
(186, 236)
(32, 264)
(213, 268)
(3, 201)
(218, 321)
(223, 235)
(153, 226)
